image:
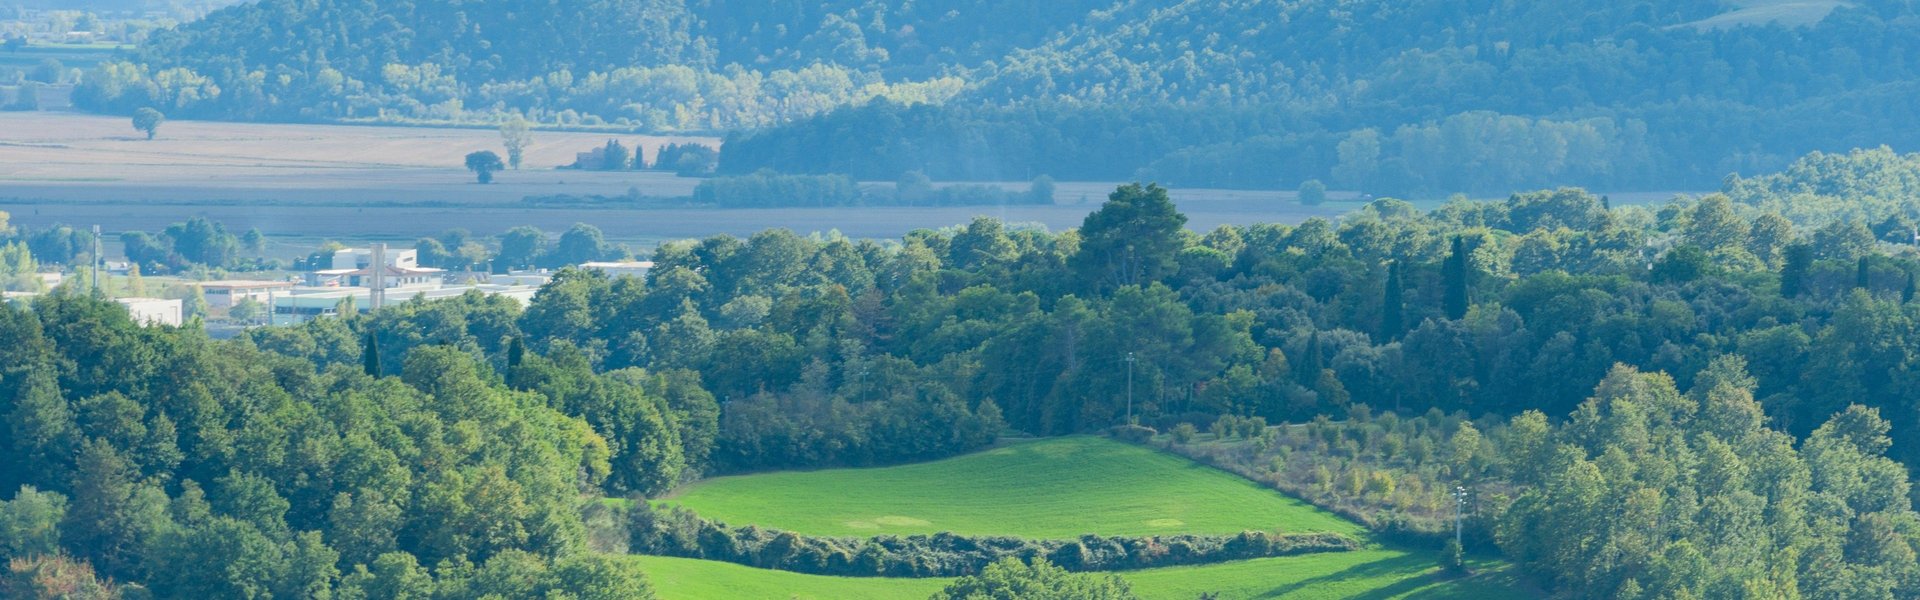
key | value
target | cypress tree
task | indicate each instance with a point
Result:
(1863, 275)
(370, 356)
(1906, 294)
(1793, 276)
(1393, 306)
(516, 352)
(1455, 274)
(1307, 369)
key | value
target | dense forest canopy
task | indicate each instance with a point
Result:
(1427, 97)
(1669, 356)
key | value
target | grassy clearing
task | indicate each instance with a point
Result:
(1054, 488)
(1373, 574)
(690, 579)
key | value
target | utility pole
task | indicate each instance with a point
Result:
(1130, 360)
(98, 262)
(1459, 506)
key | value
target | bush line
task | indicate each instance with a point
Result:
(676, 531)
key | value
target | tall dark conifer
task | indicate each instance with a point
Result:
(1392, 306)
(1863, 275)
(1793, 276)
(370, 355)
(1906, 294)
(1307, 368)
(1457, 276)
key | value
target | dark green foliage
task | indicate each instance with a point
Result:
(1131, 240)
(197, 241)
(1453, 557)
(687, 160)
(1863, 275)
(180, 470)
(1457, 275)
(1038, 580)
(674, 531)
(1392, 305)
(148, 121)
(370, 357)
(483, 163)
(1313, 193)
(1793, 277)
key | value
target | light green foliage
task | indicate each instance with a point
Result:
(1056, 488)
(30, 523)
(516, 134)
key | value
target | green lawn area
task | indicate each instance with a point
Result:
(690, 579)
(1371, 574)
(1051, 489)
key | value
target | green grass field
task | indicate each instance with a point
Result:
(1371, 574)
(1050, 489)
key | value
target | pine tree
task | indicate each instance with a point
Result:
(1392, 306)
(1457, 275)
(1863, 275)
(1793, 276)
(370, 355)
(1906, 294)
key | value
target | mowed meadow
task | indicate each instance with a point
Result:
(1057, 488)
(1050, 488)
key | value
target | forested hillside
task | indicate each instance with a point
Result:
(1426, 98)
(462, 448)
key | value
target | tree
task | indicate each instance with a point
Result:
(196, 304)
(516, 134)
(615, 156)
(1013, 580)
(26, 98)
(136, 284)
(581, 243)
(148, 120)
(1793, 276)
(247, 310)
(520, 247)
(1132, 240)
(370, 355)
(1456, 273)
(483, 164)
(1392, 306)
(1313, 193)
(1863, 275)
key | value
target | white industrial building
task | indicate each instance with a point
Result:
(226, 293)
(155, 311)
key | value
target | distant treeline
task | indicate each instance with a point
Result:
(766, 189)
(1398, 97)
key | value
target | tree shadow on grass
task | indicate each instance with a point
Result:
(1408, 587)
